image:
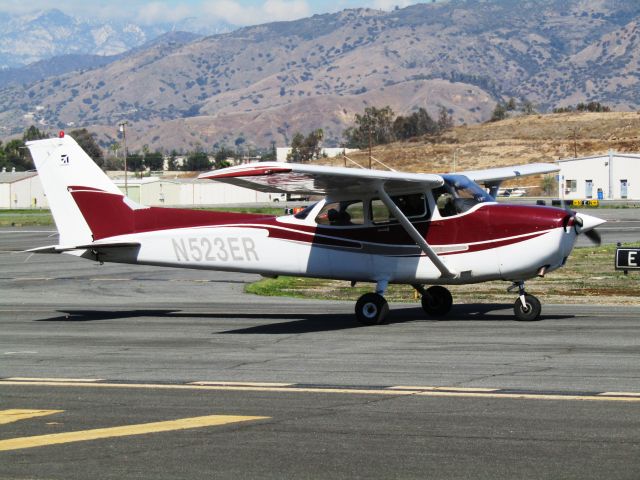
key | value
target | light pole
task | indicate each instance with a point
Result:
(124, 144)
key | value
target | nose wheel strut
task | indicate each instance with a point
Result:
(526, 308)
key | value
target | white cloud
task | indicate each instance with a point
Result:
(286, 10)
(270, 11)
(155, 12)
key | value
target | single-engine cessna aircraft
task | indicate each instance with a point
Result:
(372, 226)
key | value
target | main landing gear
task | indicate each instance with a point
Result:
(372, 308)
(436, 301)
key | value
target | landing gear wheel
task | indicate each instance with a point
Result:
(437, 301)
(371, 309)
(528, 312)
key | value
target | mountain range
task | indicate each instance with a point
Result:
(41, 35)
(261, 84)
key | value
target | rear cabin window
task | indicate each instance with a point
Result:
(342, 214)
(413, 206)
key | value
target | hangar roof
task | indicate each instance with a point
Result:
(12, 177)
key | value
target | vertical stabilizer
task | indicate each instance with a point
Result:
(62, 163)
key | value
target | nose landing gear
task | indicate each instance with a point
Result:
(526, 308)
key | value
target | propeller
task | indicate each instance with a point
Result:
(594, 236)
(586, 224)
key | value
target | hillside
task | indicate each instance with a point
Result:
(266, 82)
(525, 139)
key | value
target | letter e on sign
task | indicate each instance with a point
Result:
(628, 259)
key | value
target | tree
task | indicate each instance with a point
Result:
(374, 126)
(172, 164)
(548, 184)
(135, 162)
(197, 161)
(271, 155)
(305, 149)
(511, 105)
(528, 108)
(16, 156)
(221, 157)
(297, 145)
(417, 124)
(154, 160)
(499, 113)
(113, 163)
(88, 143)
(445, 120)
(33, 133)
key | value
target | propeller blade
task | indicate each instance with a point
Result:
(594, 236)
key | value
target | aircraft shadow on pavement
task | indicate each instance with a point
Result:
(300, 322)
(96, 315)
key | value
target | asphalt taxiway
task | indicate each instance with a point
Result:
(120, 371)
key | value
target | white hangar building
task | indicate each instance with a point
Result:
(612, 176)
(189, 192)
(21, 190)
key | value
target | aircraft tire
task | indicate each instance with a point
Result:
(371, 309)
(529, 313)
(437, 301)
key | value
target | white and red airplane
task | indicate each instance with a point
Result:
(372, 226)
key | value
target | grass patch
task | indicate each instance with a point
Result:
(25, 218)
(589, 273)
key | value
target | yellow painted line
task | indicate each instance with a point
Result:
(126, 431)
(530, 396)
(38, 379)
(237, 388)
(243, 384)
(621, 394)
(30, 279)
(349, 391)
(15, 414)
(448, 389)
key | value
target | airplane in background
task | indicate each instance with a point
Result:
(372, 226)
(514, 191)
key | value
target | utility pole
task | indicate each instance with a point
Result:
(575, 142)
(370, 142)
(124, 144)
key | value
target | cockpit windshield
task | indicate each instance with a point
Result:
(458, 194)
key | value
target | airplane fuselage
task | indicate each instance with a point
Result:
(488, 242)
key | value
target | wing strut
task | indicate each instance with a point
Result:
(414, 234)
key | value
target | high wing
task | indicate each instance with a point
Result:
(503, 173)
(276, 177)
(491, 178)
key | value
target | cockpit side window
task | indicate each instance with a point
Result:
(341, 214)
(412, 205)
(444, 200)
(458, 194)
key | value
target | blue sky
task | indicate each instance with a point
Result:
(237, 12)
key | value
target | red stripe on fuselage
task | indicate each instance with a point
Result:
(489, 226)
(107, 215)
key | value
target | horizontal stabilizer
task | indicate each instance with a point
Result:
(91, 246)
